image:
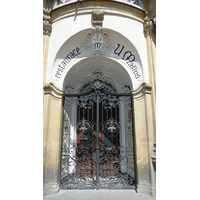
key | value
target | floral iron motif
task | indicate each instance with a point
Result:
(83, 126)
(111, 126)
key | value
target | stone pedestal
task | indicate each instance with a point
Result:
(144, 138)
(53, 101)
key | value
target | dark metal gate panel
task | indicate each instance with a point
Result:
(97, 144)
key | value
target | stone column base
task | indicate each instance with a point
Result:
(146, 189)
(50, 189)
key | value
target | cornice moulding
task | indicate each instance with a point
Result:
(60, 3)
(109, 8)
(145, 88)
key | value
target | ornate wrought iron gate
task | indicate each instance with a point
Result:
(97, 144)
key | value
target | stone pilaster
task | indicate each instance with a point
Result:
(149, 28)
(52, 128)
(45, 56)
(47, 4)
(144, 138)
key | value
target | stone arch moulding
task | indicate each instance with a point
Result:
(103, 45)
(112, 71)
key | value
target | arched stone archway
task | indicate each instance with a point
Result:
(120, 62)
(112, 71)
(102, 45)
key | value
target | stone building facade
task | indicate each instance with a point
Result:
(99, 95)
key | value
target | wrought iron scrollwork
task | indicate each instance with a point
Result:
(112, 167)
(97, 143)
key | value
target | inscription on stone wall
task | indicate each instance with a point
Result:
(61, 67)
(119, 51)
(129, 57)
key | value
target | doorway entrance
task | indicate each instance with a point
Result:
(97, 144)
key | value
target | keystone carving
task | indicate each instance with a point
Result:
(97, 17)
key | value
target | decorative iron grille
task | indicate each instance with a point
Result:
(97, 143)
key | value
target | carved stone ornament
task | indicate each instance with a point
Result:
(97, 80)
(148, 26)
(154, 20)
(97, 42)
(68, 89)
(46, 22)
(97, 17)
(63, 1)
(132, 1)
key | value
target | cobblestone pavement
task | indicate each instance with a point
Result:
(98, 195)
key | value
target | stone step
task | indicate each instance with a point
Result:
(98, 195)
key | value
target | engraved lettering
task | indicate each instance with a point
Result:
(66, 60)
(77, 49)
(128, 57)
(115, 51)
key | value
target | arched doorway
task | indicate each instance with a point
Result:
(97, 141)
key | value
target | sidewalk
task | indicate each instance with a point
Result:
(98, 195)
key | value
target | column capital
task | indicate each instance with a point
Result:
(148, 25)
(54, 91)
(145, 88)
(47, 22)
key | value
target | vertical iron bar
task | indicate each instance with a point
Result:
(106, 113)
(116, 113)
(117, 134)
(92, 120)
(97, 156)
(79, 114)
(78, 118)
(83, 111)
(111, 111)
(103, 134)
